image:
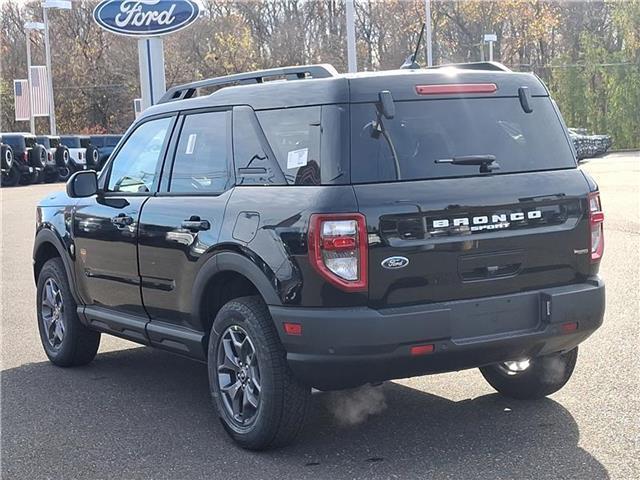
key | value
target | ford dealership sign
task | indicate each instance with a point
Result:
(146, 18)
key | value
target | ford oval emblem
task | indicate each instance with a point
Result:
(146, 18)
(395, 262)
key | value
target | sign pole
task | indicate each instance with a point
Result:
(351, 38)
(151, 65)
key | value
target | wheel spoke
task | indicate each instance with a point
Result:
(250, 398)
(230, 355)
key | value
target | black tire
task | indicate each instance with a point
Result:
(283, 400)
(30, 178)
(11, 178)
(51, 175)
(64, 173)
(79, 345)
(37, 156)
(7, 157)
(93, 156)
(544, 376)
(62, 157)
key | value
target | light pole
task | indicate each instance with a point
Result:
(352, 61)
(27, 30)
(66, 5)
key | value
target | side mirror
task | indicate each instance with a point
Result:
(386, 105)
(82, 184)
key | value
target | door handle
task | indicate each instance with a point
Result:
(196, 224)
(122, 220)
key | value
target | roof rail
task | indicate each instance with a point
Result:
(495, 66)
(188, 90)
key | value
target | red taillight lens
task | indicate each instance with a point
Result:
(338, 249)
(294, 329)
(25, 156)
(596, 219)
(49, 155)
(456, 88)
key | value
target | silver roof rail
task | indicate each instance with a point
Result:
(188, 90)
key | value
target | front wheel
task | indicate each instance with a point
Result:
(65, 340)
(260, 403)
(533, 378)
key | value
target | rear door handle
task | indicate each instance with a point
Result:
(122, 220)
(196, 224)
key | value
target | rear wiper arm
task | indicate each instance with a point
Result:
(487, 163)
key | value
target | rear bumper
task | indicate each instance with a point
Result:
(340, 348)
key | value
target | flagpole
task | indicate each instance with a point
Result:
(52, 110)
(32, 120)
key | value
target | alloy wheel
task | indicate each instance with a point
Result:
(52, 312)
(238, 375)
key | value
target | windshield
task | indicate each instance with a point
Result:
(422, 132)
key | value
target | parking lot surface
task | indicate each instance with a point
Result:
(141, 413)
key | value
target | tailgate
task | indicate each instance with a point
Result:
(461, 238)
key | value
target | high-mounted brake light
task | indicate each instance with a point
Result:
(596, 220)
(446, 89)
(338, 249)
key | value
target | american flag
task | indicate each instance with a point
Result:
(40, 91)
(21, 92)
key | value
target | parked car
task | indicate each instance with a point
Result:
(57, 166)
(105, 145)
(6, 161)
(29, 159)
(329, 231)
(83, 155)
(588, 146)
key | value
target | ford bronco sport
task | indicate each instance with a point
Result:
(331, 230)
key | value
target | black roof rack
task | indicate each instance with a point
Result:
(495, 66)
(188, 90)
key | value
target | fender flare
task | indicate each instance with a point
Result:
(49, 236)
(226, 261)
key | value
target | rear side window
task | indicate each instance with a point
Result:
(202, 155)
(294, 135)
(422, 132)
(16, 142)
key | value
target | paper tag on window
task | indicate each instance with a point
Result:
(297, 158)
(191, 144)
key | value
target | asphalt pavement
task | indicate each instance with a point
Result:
(140, 413)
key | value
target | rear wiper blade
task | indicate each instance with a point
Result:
(487, 163)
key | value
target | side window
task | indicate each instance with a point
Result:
(134, 168)
(254, 167)
(294, 136)
(201, 159)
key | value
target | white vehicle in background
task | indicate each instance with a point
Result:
(82, 154)
(57, 165)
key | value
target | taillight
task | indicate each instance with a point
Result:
(49, 155)
(596, 219)
(25, 156)
(338, 249)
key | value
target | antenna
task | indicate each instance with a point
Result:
(410, 61)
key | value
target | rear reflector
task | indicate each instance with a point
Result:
(569, 327)
(596, 219)
(456, 88)
(293, 329)
(422, 349)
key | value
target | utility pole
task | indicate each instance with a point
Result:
(351, 38)
(427, 8)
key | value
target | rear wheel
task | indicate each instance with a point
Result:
(532, 378)
(12, 177)
(65, 340)
(260, 403)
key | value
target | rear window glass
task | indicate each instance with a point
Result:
(97, 141)
(71, 142)
(30, 141)
(85, 142)
(294, 136)
(15, 141)
(422, 132)
(54, 142)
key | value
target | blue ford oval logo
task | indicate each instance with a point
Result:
(146, 18)
(395, 262)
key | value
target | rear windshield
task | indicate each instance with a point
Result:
(85, 142)
(422, 132)
(71, 142)
(54, 142)
(30, 141)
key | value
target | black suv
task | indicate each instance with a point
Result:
(29, 159)
(331, 230)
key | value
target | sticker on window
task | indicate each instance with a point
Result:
(297, 158)
(191, 144)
